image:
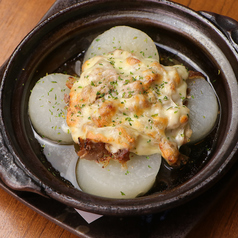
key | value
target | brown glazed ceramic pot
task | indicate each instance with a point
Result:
(202, 41)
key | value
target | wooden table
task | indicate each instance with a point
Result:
(17, 18)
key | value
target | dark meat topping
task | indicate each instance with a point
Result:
(97, 151)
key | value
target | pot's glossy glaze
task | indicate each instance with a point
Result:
(192, 37)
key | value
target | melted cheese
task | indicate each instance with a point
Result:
(130, 103)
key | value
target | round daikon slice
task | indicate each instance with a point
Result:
(125, 38)
(47, 108)
(203, 107)
(115, 181)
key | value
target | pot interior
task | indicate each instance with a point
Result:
(182, 36)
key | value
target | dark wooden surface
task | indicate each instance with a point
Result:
(17, 18)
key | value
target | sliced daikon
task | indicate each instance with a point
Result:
(62, 157)
(125, 38)
(203, 107)
(47, 108)
(115, 181)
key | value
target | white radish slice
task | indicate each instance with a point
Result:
(125, 38)
(47, 108)
(114, 181)
(203, 107)
(62, 157)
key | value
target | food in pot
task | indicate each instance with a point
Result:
(126, 107)
(116, 182)
(203, 106)
(125, 38)
(47, 108)
(123, 103)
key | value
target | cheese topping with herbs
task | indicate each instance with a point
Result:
(130, 103)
